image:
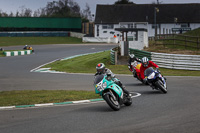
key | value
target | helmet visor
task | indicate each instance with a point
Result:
(100, 70)
(145, 64)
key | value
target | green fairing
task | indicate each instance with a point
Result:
(110, 85)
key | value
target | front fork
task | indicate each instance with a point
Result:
(114, 97)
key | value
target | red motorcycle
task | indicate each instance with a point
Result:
(134, 67)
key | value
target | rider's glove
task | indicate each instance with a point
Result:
(157, 70)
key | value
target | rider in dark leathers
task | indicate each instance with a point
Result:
(132, 58)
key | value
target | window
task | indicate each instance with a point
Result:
(108, 26)
(184, 25)
(153, 26)
(112, 32)
(130, 25)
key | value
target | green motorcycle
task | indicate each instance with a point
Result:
(110, 91)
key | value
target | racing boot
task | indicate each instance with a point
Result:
(134, 74)
(129, 95)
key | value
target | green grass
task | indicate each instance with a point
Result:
(82, 64)
(14, 41)
(192, 46)
(175, 72)
(87, 64)
(195, 32)
(30, 97)
(1, 54)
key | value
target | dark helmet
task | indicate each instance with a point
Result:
(145, 61)
(100, 68)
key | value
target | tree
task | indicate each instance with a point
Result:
(86, 14)
(11, 14)
(123, 2)
(62, 8)
(57, 8)
(36, 13)
(158, 2)
(74, 9)
(3, 14)
(17, 14)
(25, 12)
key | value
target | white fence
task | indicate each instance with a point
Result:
(76, 34)
(100, 39)
(176, 61)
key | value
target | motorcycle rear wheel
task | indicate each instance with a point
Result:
(160, 85)
(114, 104)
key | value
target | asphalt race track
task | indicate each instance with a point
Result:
(152, 112)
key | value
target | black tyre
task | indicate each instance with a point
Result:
(114, 104)
(160, 85)
(129, 102)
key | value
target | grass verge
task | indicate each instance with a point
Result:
(87, 64)
(30, 97)
(14, 41)
(1, 54)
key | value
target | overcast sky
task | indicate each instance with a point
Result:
(14, 5)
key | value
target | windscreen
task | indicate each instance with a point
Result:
(98, 78)
(148, 71)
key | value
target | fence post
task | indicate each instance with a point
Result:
(185, 41)
(115, 57)
(197, 42)
(174, 40)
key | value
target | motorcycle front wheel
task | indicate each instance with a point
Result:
(160, 85)
(114, 104)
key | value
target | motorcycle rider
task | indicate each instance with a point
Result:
(146, 64)
(25, 47)
(132, 58)
(101, 69)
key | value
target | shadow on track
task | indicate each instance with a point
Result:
(148, 92)
(135, 84)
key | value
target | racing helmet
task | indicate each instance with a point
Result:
(132, 56)
(145, 61)
(100, 68)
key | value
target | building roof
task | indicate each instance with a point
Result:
(113, 14)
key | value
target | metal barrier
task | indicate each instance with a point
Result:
(140, 53)
(113, 57)
(35, 34)
(172, 61)
(177, 61)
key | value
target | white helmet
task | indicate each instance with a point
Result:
(100, 68)
(145, 61)
(132, 56)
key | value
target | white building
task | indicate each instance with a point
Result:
(169, 18)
